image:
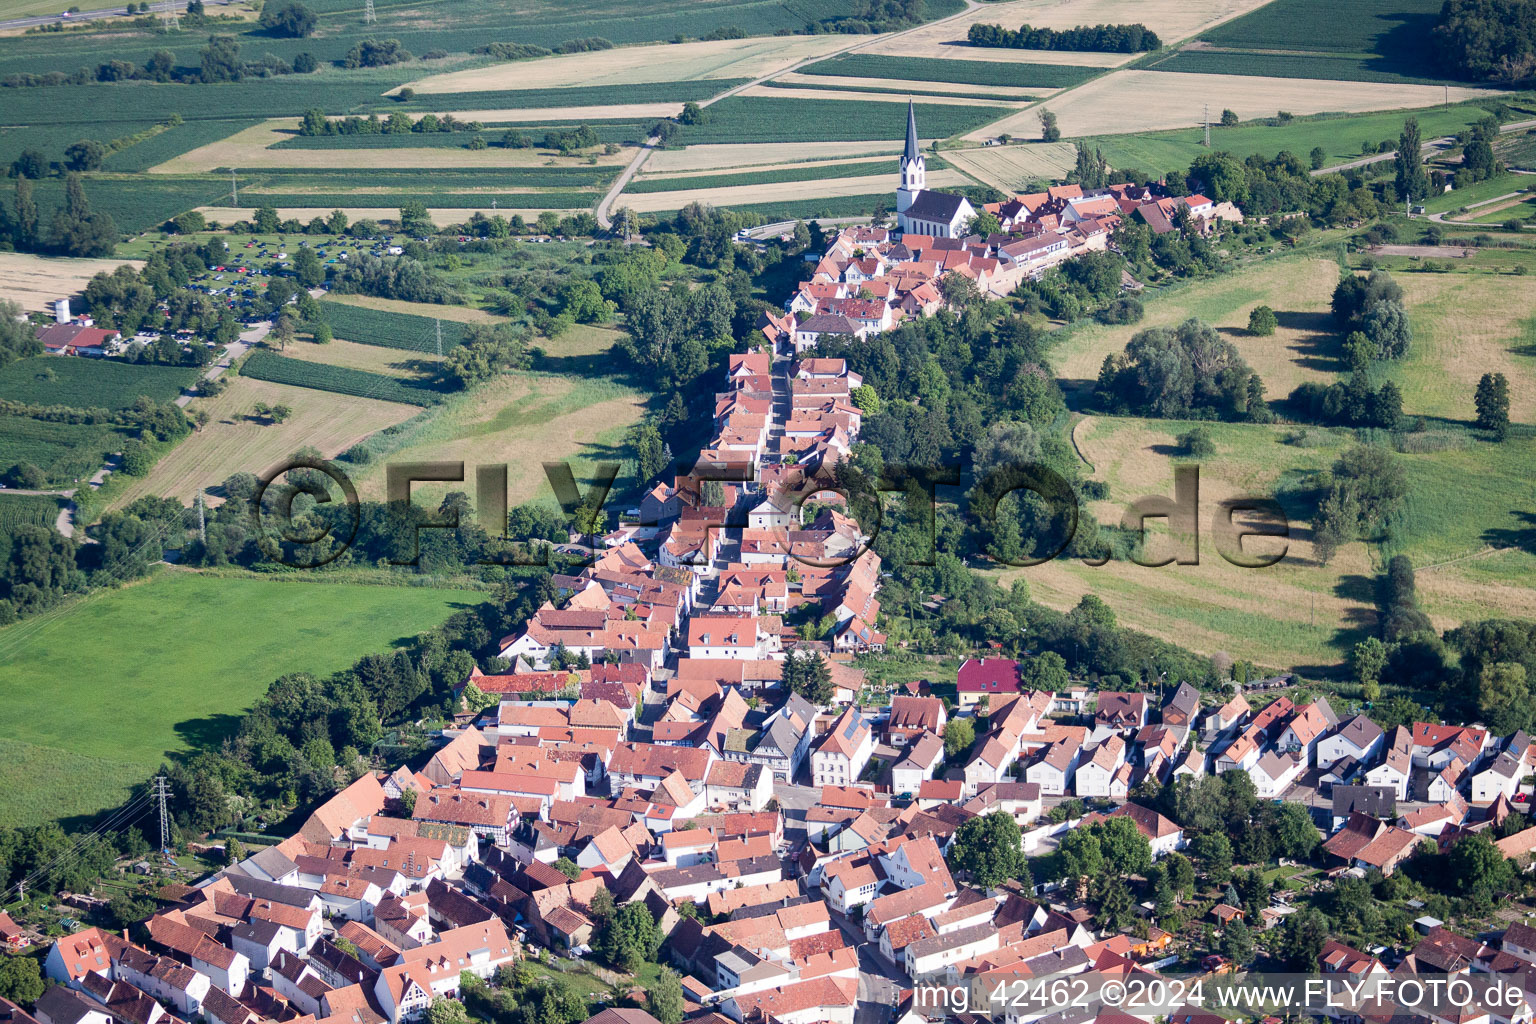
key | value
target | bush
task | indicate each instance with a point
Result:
(1121, 311)
(1196, 442)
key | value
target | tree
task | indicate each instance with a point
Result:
(959, 734)
(1236, 942)
(79, 231)
(664, 1000)
(1079, 853)
(1295, 835)
(692, 113)
(808, 674)
(26, 230)
(990, 848)
(414, 219)
(1504, 697)
(1318, 157)
(1117, 908)
(627, 938)
(447, 1011)
(85, 155)
(21, 981)
(129, 909)
(1214, 852)
(1477, 867)
(568, 868)
(288, 18)
(984, 224)
(1049, 131)
(1367, 660)
(1125, 850)
(1492, 401)
(25, 476)
(1046, 671)
(1302, 938)
(1412, 182)
(30, 164)
(234, 853)
(1262, 321)
(221, 60)
(1228, 118)
(867, 399)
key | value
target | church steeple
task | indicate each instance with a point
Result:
(914, 174)
(912, 152)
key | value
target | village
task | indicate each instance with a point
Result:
(663, 739)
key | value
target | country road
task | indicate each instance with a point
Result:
(35, 20)
(1443, 142)
(604, 208)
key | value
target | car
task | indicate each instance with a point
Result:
(1521, 798)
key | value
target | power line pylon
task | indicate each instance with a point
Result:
(368, 16)
(165, 822)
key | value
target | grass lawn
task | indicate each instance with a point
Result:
(168, 664)
(523, 420)
(1491, 188)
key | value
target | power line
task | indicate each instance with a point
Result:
(165, 822)
(130, 812)
(368, 16)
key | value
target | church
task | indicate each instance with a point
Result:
(920, 211)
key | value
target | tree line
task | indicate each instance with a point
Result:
(1132, 38)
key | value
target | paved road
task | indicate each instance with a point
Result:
(106, 12)
(604, 208)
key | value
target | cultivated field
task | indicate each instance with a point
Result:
(1304, 347)
(203, 648)
(391, 362)
(250, 149)
(806, 169)
(35, 281)
(903, 86)
(817, 93)
(666, 62)
(1136, 101)
(236, 441)
(522, 420)
(438, 216)
(787, 191)
(460, 314)
(87, 383)
(1171, 19)
(1013, 168)
(727, 155)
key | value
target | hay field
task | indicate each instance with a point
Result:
(233, 441)
(1171, 19)
(1303, 348)
(440, 216)
(521, 420)
(1465, 325)
(1012, 168)
(826, 188)
(862, 97)
(392, 362)
(760, 155)
(662, 62)
(898, 85)
(1130, 101)
(250, 149)
(458, 314)
(33, 282)
(1287, 615)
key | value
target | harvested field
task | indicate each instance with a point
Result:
(1137, 101)
(392, 362)
(866, 97)
(1171, 19)
(1438, 252)
(734, 195)
(461, 314)
(35, 281)
(720, 157)
(898, 85)
(1011, 168)
(440, 216)
(705, 177)
(251, 150)
(665, 62)
(234, 441)
(1304, 347)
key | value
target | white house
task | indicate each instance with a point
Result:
(1054, 771)
(844, 750)
(918, 766)
(1357, 737)
(920, 211)
(1095, 775)
(1275, 772)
